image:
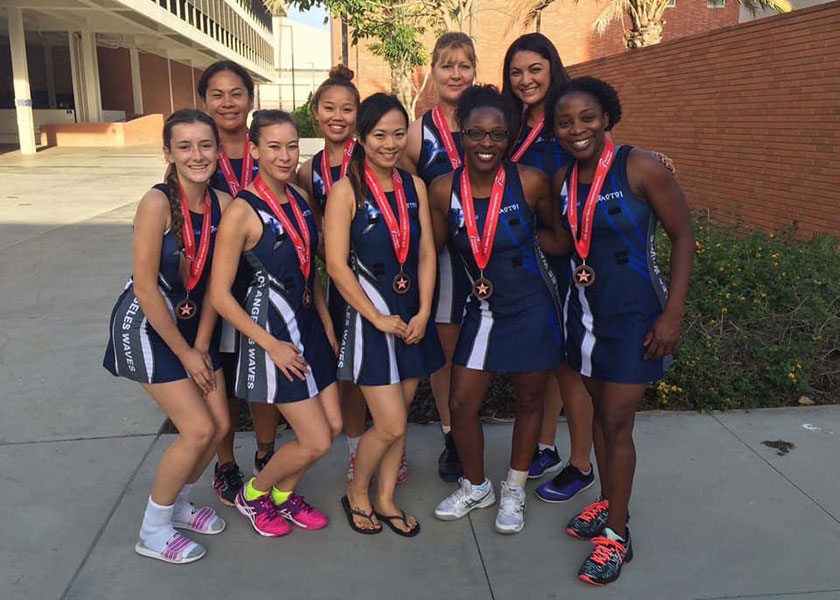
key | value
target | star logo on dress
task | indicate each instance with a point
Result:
(186, 309)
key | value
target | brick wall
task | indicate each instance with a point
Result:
(750, 114)
(567, 24)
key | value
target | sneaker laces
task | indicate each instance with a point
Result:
(297, 504)
(591, 511)
(605, 549)
(463, 492)
(267, 506)
(512, 504)
(230, 476)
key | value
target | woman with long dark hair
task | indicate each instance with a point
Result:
(381, 256)
(286, 343)
(164, 335)
(227, 92)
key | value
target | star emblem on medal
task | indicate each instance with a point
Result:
(482, 289)
(583, 276)
(186, 309)
(402, 283)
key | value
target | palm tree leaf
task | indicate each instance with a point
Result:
(614, 11)
(756, 6)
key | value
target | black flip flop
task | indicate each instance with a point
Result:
(389, 522)
(350, 511)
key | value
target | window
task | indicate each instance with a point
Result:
(715, 3)
(671, 4)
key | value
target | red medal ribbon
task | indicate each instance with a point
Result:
(584, 241)
(399, 230)
(300, 239)
(535, 132)
(326, 172)
(482, 246)
(195, 262)
(247, 168)
(446, 137)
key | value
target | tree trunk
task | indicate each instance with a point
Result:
(645, 34)
(401, 86)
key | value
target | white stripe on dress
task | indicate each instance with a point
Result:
(382, 306)
(287, 313)
(358, 348)
(481, 344)
(445, 289)
(587, 344)
(148, 355)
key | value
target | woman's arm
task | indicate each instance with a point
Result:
(324, 314)
(150, 223)
(439, 192)
(241, 228)
(339, 216)
(426, 269)
(654, 182)
(411, 156)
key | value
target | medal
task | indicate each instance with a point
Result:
(300, 239)
(446, 137)
(533, 135)
(482, 246)
(326, 172)
(186, 309)
(583, 274)
(247, 168)
(399, 230)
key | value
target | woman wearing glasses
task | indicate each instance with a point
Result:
(490, 210)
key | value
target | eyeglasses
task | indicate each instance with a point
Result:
(497, 135)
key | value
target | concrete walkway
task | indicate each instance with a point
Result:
(716, 513)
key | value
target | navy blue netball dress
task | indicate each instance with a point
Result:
(275, 302)
(227, 345)
(606, 323)
(546, 155)
(335, 302)
(135, 350)
(451, 286)
(517, 329)
(368, 356)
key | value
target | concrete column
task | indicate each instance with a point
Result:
(76, 73)
(20, 73)
(48, 67)
(192, 82)
(171, 95)
(90, 77)
(136, 82)
(276, 29)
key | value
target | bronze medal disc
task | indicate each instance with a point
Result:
(584, 275)
(186, 309)
(307, 297)
(482, 288)
(401, 283)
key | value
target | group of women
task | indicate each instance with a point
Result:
(500, 232)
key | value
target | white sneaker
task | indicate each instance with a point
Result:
(511, 516)
(464, 499)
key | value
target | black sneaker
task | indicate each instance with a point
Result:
(589, 522)
(568, 483)
(260, 463)
(604, 563)
(449, 465)
(227, 480)
(545, 462)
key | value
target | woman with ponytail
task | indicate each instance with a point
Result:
(286, 340)
(381, 256)
(164, 335)
(227, 91)
(335, 105)
(434, 149)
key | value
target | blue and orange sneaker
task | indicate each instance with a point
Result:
(566, 485)
(604, 563)
(545, 462)
(589, 522)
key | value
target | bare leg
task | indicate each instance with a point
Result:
(440, 379)
(551, 413)
(530, 393)
(224, 449)
(353, 409)
(264, 416)
(578, 416)
(595, 389)
(467, 393)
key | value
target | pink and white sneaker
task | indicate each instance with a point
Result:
(202, 520)
(298, 511)
(179, 550)
(263, 514)
(402, 474)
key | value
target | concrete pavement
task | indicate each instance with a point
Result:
(716, 513)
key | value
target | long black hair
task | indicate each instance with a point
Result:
(538, 43)
(371, 111)
(184, 116)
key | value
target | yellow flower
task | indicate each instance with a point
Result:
(728, 294)
(792, 376)
(724, 310)
(742, 298)
(720, 269)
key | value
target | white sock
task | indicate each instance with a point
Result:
(446, 429)
(157, 525)
(353, 443)
(609, 533)
(516, 478)
(547, 447)
(183, 507)
(587, 472)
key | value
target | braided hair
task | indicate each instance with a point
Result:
(184, 116)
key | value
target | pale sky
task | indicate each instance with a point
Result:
(313, 17)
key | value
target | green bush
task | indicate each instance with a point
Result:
(305, 121)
